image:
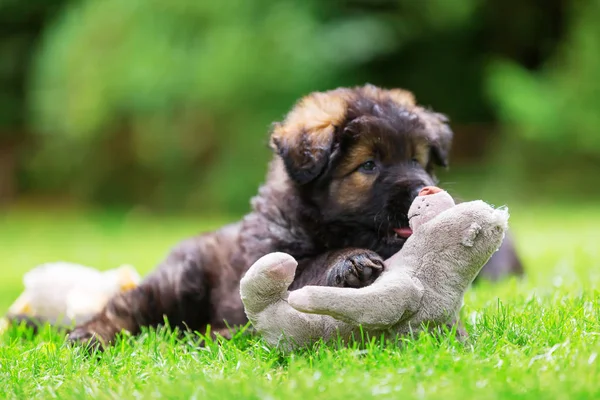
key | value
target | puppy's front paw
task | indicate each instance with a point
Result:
(357, 268)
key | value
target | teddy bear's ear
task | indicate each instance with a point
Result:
(470, 234)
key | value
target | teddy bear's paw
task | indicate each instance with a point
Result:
(355, 269)
(302, 299)
(267, 281)
(272, 268)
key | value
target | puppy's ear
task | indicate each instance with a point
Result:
(439, 134)
(306, 138)
(435, 124)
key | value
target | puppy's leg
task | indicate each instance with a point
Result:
(340, 268)
(176, 290)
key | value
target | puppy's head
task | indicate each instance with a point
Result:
(360, 156)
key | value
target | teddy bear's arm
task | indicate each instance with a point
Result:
(378, 306)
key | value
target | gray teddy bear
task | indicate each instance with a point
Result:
(422, 286)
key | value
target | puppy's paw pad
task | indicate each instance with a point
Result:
(357, 270)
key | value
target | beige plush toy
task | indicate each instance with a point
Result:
(422, 285)
(63, 294)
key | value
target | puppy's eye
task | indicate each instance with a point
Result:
(368, 167)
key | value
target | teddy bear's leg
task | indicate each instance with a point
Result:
(267, 281)
(264, 292)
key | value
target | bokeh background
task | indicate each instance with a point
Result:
(158, 111)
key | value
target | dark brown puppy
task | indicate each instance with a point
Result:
(348, 164)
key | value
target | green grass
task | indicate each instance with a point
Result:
(537, 338)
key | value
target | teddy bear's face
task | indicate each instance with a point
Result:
(425, 208)
(473, 231)
(483, 226)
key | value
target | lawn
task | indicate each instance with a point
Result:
(536, 338)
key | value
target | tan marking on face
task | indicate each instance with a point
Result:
(351, 188)
(421, 151)
(357, 155)
(353, 191)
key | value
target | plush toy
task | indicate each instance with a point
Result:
(422, 286)
(63, 294)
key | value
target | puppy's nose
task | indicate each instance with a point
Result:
(427, 190)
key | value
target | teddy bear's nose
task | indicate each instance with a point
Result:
(427, 190)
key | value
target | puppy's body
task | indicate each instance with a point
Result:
(348, 164)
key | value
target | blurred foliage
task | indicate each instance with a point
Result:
(558, 105)
(179, 94)
(21, 24)
(168, 103)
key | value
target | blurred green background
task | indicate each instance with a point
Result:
(164, 106)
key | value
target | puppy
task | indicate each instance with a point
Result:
(347, 165)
